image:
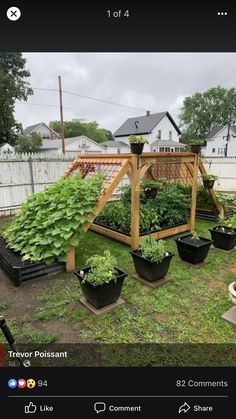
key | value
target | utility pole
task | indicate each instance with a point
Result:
(62, 121)
(227, 139)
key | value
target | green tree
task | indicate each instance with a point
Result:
(78, 127)
(12, 86)
(203, 111)
(29, 144)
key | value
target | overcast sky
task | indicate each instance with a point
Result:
(157, 82)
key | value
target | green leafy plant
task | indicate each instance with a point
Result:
(102, 269)
(153, 250)
(195, 237)
(133, 139)
(208, 177)
(228, 222)
(51, 221)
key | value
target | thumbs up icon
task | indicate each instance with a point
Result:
(31, 408)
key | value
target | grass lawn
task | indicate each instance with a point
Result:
(186, 310)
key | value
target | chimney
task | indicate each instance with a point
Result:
(147, 113)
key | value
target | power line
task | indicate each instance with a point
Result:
(91, 98)
(40, 104)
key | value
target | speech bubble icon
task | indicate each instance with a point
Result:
(99, 407)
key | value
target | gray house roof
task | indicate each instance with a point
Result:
(115, 144)
(215, 131)
(28, 130)
(56, 144)
(167, 143)
(143, 124)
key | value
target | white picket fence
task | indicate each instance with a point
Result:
(24, 174)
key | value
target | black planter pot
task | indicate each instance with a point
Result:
(193, 251)
(226, 239)
(149, 270)
(136, 148)
(195, 148)
(102, 295)
(151, 193)
(208, 184)
(19, 271)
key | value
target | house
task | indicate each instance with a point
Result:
(116, 147)
(217, 139)
(80, 145)
(6, 149)
(42, 129)
(159, 129)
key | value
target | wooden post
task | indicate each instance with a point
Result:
(194, 194)
(135, 194)
(212, 192)
(70, 260)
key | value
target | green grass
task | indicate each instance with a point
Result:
(37, 337)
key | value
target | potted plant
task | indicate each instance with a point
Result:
(150, 188)
(137, 144)
(192, 248)
(196, 146)
(151, 261)
(224, 235)
(208, 180)
(101, 282)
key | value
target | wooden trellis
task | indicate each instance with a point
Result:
(183, 167)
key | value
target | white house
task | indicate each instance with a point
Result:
(80, 145)
(159, 129)
(6, 149)
(116, 147)
(216, 142)
(41, 129)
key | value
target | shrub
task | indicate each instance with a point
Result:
(102, 269)
(50, 221)
(153, 250)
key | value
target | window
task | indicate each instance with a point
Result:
(177, 149)
(213, 150)
(161, 149)
(159, 134)
(167, 149)
(170, 135)
(154, 150)
(118, 150)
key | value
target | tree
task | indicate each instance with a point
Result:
(78, 127)
(12, 86)
(29, 144)
(203, 111)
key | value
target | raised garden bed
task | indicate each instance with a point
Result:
(211, 215)
(19, 271)
(142, 233)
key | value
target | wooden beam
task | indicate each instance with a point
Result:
(135, 195)
(70, 260)
(212, 192)
(115, 235)
(194, 194)
(168, 232)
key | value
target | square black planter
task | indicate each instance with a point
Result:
(193, 251)
(225, 240)
(102, 295)
(149, 270)
(19, 271)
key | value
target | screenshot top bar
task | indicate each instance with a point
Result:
(146, 27)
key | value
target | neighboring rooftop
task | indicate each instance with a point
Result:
(143, 124)
(215, 131)
(167, 143)
(31, 128)
(114, 144)
(56, 144)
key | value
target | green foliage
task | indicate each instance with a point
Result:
(231, 198)
(50, 221)
(150, 184)
(31, 143)
(12, 86)
(196, 142)
(102, 269)
(228, 222)
(153, 250)
(117, 215)
(78, 127)
(203, 111)
(207, 177)
(133, 139)
(195, 237)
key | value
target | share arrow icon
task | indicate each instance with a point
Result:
(184, 408)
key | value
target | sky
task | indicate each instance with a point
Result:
(148, 81)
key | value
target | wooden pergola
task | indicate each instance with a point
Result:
(184, 167)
